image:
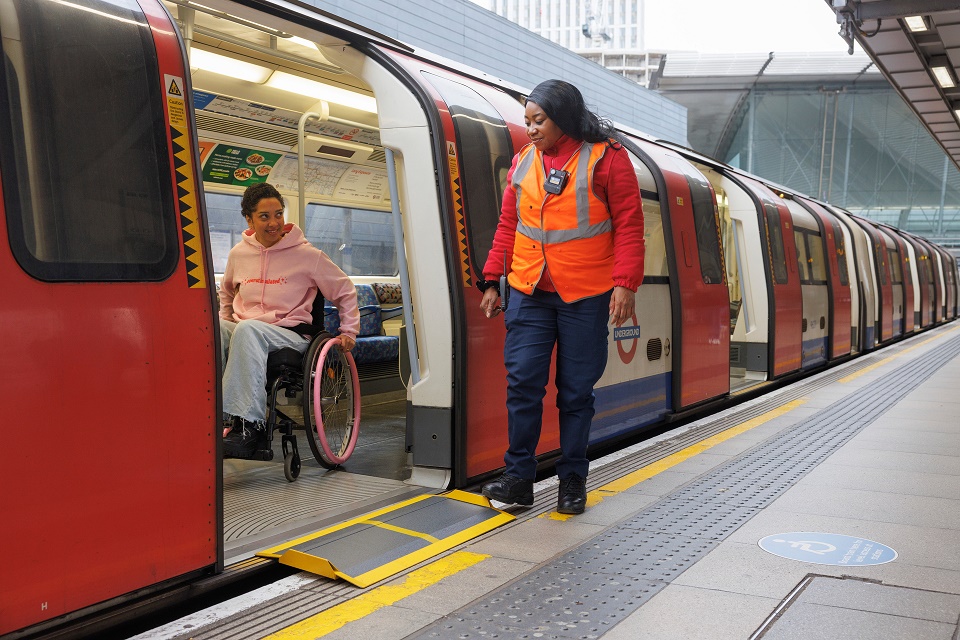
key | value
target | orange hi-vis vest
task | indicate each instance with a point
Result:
(571, 233)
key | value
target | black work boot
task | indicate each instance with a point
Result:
(509, 490)
(573, 495)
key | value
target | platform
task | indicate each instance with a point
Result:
(851, 479)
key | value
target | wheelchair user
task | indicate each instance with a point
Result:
(266, 296)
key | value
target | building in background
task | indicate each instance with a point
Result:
(823, 124)
(607, 32)
(466, 33)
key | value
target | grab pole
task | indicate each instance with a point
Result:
(403, 267)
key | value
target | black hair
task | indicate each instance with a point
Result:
(254, 194)
(563, 103)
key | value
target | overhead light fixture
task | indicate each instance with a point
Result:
(940, 67)
(303, 42)
(916, 23)
(296, 84)
(225, 66)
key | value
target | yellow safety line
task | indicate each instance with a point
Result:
(321, 624)
(406, 532)
(889, 359)
(645, 473)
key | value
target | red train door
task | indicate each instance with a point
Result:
(110, 362)
(907, 280)
(838, 278)
(881, 264)
(701, 317)
(786, 296)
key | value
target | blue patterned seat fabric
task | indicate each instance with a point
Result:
(372, 345)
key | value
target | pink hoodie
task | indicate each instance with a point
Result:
(277, 285)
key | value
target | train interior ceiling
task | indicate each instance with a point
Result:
(252, 84)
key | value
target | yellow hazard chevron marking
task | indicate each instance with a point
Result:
(645, 473)
(458, 212)
(187, 203)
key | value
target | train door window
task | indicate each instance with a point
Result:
(485, 151)
(815, 254)
(85, 164)
(879, 258)
(655, 252)
(777, 254)
(841, 247)
(803, 258)
(359, 241)
(707, 229)
(896, 273)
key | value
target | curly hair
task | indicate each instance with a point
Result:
(254, 194)
(563, 103)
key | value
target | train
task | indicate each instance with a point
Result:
(125, 143)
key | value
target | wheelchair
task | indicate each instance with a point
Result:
(325, 377)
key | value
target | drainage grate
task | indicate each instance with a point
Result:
(588, 590)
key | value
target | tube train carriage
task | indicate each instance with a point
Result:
(122, 166)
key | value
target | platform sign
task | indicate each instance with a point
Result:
(828, 548)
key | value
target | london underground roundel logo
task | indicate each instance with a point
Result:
(627, 336)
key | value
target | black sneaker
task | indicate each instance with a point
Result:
(244, 442)
(572, 498)
(509, 490)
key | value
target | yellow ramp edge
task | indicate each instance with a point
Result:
(410, 522)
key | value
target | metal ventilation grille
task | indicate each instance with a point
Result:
(215, 124)
(654, 349)
(734, 353)
(378, 156)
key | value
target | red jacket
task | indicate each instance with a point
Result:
(614, 182)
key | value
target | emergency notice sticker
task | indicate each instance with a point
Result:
(176, 107)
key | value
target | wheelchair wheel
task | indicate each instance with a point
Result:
(331, 402)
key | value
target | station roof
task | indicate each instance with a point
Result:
(916, 45)
(715, 87)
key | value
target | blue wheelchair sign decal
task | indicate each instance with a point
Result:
(828, 548)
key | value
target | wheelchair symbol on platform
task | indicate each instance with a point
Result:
(827, 548)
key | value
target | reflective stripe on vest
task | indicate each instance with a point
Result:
(571, 232)
(582, 189)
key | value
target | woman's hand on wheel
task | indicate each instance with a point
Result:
(489, 304)
(622, 305)
(346, 342)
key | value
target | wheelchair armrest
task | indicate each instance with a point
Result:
(393, 312)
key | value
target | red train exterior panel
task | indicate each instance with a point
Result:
(839, 344)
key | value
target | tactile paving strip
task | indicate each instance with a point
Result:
(587, 591)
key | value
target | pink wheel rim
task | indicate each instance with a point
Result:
(318, 406)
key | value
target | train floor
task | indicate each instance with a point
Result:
(261, 508)
(829, 508)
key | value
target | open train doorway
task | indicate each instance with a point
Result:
(303, 110)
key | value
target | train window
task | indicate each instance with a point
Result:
(896, 273)
(226, 223)
(360, 241)
(655, 253)
(486, 151)
(778, 257)
(707, 228)
(841, 245)
(815, 256)
(86, 170)
(803, 258)
(879, 258)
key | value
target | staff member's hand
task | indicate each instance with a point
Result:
(622, 305)
(489, 303)
(346, 342)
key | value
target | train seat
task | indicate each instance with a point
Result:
(373, 345)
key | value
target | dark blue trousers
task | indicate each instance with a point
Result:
(535, 324)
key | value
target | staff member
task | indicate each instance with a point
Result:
(571, 231)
